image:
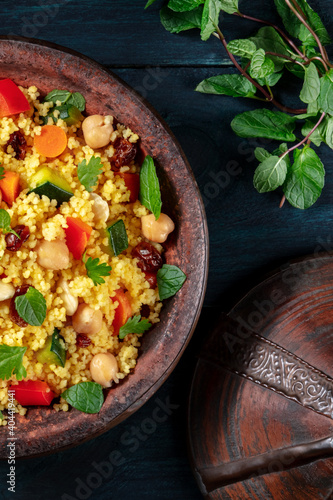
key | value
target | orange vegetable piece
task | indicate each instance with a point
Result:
(51, 142)
(77, 236)
(123, 311)
(132, 182)
(10, 186)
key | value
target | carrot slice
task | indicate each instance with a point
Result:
(51, 142)
(10, 186)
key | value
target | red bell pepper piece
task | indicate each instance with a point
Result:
(77, 236)
(10, 186)
(132, 182)
(123, 311)
(12, 99)
(32, 392)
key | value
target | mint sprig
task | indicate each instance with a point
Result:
(265, 57)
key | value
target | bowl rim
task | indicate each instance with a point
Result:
(137, 99)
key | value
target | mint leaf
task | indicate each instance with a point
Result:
(11, 362)
(170, 279)
(311, 87)
(229, 6)
(232, 85)
(269, 40)
(270, 80)
(270, 174)
(88, 173)
(134, 325)
(77, 100)
(58, 95)
(210, 18)
(306, 37)
(85, 396)
(31, 307)
(264, 123)
(305, 179)
(325, 99)
(261, 154)
(95, 270)
(242, 47)
(318, 136)
(184, 5)
(118, 237)
(329, 132)
(150, 193)
(150, 2)
(4, 220)
(261, 66)
(175, 22)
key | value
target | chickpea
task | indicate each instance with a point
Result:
(100, 208)
(104, 369)
(7, 291)
(53, 254)
(156, 230)
(87, 320)
(97, 130)
(70, 302)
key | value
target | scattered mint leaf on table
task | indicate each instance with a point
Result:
(134, 325)
(150, 193)
(95, 270)
(85, 396)
(170, 279)
(31, 307)
(88, 172)
(11, 362)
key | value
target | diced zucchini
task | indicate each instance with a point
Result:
(49, 183)
(118, 237)
(53, 352)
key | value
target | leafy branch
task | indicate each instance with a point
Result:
(261, 61)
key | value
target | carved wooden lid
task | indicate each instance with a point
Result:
(261, 403)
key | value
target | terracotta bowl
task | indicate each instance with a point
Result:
(48, 66)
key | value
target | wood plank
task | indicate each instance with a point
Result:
(122, 33)
(249, 234)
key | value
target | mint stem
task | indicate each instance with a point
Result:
(307, 137)
(303, 21)
(279, 30)
(269, 98)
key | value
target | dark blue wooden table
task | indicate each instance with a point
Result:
(249, 234)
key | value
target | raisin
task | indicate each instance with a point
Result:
(149, 259)
(82, 340)
(145, 311)
(14, 315)
(13, 243)
(125, 152)
(19, 144)
(152, 279)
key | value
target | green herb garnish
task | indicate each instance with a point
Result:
(1, 415)
(170, 279)
(95, 270)
(265, 58)
(31, 307)
(118, 237)
(66, 97)
(2, 173)
(85, 396)
(11, 362)
(134, 325)
(88, 172)
(150, 193)
(5, 223)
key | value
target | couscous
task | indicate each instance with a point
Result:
(81, 269)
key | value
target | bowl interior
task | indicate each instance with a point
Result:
(48, 67)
